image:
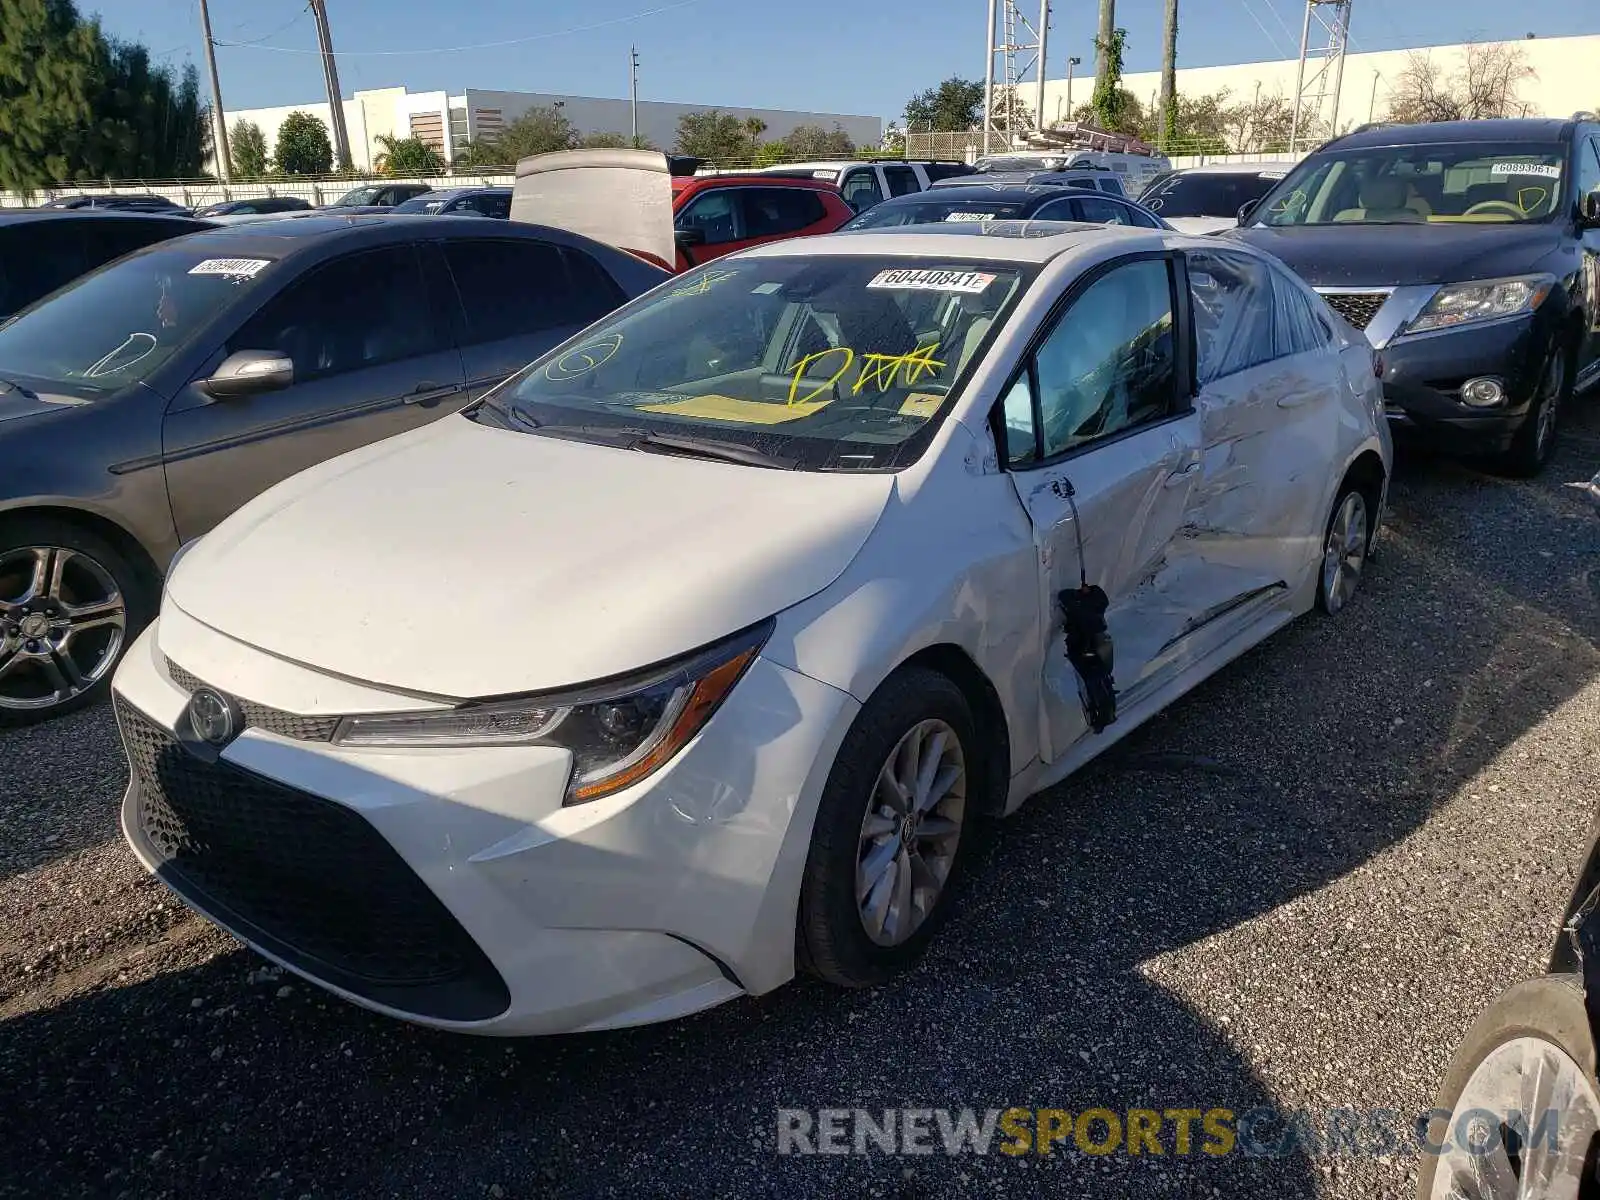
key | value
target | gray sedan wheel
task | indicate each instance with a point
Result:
(69, 604)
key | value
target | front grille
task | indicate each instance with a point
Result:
(259, 716)
(308, 880)
(1356, 307)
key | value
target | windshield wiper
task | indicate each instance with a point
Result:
(10, 385)
(672, 443)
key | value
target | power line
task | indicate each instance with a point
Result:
(1265, 32)
(289, 24)
(518, 41)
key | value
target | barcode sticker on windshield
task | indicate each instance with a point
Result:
(970, 216)
(1526, 168)
(971, 282)
(243, 267)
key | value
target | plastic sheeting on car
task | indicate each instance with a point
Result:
(1247, 313)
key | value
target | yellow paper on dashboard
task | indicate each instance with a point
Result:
(727, 408)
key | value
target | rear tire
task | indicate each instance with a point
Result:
(1345, 544)
(1534, 1041)
(879, 875)
(70, 603)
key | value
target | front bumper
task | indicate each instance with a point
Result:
(449, 886)
(1423, 374)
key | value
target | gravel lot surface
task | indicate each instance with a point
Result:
(1295, 890)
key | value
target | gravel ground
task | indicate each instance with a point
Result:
(1295, 891)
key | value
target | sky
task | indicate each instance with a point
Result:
(862, 57)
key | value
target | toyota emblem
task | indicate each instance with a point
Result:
(212, 716)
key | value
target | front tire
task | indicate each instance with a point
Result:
(70, 602)
(891, 832)
(1531, 1052)
(1535, 439)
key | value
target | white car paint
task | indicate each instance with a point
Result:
(465, 561)
(1201, 226)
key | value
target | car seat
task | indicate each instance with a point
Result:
(1383, 199)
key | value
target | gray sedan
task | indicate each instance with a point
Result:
(145, 402)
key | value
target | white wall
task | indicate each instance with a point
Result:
(1563, 84)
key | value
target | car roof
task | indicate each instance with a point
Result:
(19, 216)
(292, 235)
(682, 183)
(1514, 129)
(981, 193)
(1026, 242)
(1232, 168)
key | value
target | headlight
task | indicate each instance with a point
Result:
(618, 732)
(1481, 300)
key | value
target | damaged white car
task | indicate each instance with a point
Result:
(690, 657)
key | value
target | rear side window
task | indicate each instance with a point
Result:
(772, 212)
(938, 171)
(902, 181)
(861, 190)
(1104, 212)
(1233, 297)
(510, 288)
(1114, 186)
(1297, 326)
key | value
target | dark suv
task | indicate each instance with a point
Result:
(1469, 253)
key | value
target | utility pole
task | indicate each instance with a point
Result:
(633, 97)
(988, 78)
(1044, 38)
(1169, 76)
(330, 75)
(219, 123)
(1072, 61)
(1372, 102)
(1102, 44)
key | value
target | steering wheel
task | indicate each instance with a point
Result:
(1486, 206)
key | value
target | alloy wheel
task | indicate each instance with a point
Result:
(1542, 1151)
(62, 622)
(1345, 552)
(910, 832)
(1550, 390)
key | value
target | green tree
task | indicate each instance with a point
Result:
(407, 156)
(249, 147)
(46, 75)
(480, 152)
(770, 154)
(303, 147)
(604, 141)
(713, 135)
(145, 123)
(540, 130)
(1110, 102)
(953, 106)
(813, 141)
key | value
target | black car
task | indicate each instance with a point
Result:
(379, 195)
(461, 202)
(146, 401)
(149, 202)
(43, 249)
(256, 204)
(1005, 202)
(1094, 179)
(1469, 252)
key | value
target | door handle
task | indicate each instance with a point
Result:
(429, 392)
(1180, 476)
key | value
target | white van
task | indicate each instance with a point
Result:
(1135, 170)
(866, 183)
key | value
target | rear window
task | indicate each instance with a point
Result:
(1206, 194)
(927, 212)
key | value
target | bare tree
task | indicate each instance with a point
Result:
(1484, 85)
(1260, 125)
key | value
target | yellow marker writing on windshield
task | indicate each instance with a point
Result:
(800, 371)
(702, 285)
(885, 369)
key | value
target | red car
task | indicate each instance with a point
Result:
(658, 209)
(713, 215)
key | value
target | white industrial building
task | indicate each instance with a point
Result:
(1563, 80)
(446, 121)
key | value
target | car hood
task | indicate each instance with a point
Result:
(16, 403)
(619, 197)
(1403, 255)
(1201, 225)
(466, 561)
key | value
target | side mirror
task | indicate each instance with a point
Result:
(1247, 210)
(1589, 211)
(693, 236)
(249, 372)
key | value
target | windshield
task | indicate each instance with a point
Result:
(927, 212)
(115, 327)
(1205, 194)
(427, 202)
(1441, 183)
(832, 362)
(360, 195)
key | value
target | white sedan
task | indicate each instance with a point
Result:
(690, 656)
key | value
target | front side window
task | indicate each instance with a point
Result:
(1100, 211)
(1205, 193)
(715, 213)
(842, 362)
(1109, 365)
(356, 312)
(1441, 183)
(114, 327)
(861, 189)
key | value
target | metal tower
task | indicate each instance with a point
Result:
(1323, 39)
(1010, 37)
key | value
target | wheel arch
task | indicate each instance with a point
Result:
(1367, 472)
(121, 539)
(955, 664)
